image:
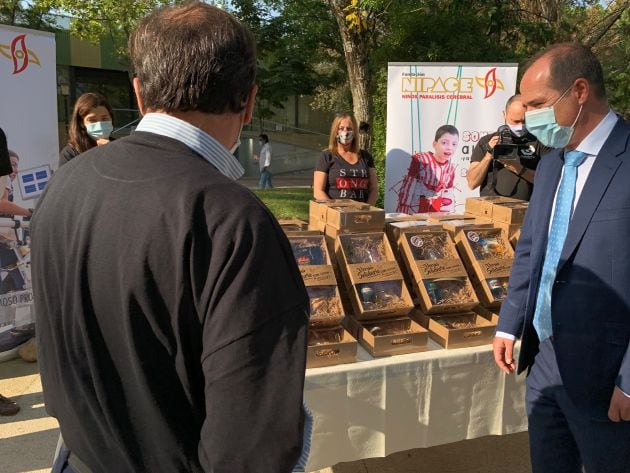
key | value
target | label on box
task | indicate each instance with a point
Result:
(441, 268)
(374, 272)
(495, 268)
(319, 275)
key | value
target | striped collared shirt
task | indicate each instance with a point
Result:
(196, 139)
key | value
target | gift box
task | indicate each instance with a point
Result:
(388, 337)
(327, 347)
(315, 266)
(457, 330)
(482, 206)
(395, 229)
(293, 225)
(358, 217)
(317, 212)
(403, 217)
(488, 256)
(509, 212)
(510, 229)
(440, 281)
(372, 276)
(454, 226)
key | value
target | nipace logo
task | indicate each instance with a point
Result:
(19, 53)
(490, 83)
(420, 85)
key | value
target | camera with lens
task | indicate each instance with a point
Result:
(510, 147)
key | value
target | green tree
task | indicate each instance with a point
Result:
(35, 14)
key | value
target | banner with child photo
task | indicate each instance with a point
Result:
(28, 119)
(436, 114)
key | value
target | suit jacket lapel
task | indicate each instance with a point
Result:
(604, 168)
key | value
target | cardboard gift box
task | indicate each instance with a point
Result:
(510, 229)
(293, 225)
(327, 347)
(457, 330)
(492, 316)
(514, 238)
(317, 212)
(315, 266)
(403, 217)
(454, 226)
(443, 216)
(440, 280)
(482, 206)
(395, 229)
(388, 337)
(488, 256)
(358, 217)
(372, 276)
(509, 212)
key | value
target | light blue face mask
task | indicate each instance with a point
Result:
(99, 130)
(543, 125)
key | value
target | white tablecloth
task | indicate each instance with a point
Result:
(376, 407)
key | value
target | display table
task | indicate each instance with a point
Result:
(376, 407)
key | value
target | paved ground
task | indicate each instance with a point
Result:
(303, 180)
(28, 440)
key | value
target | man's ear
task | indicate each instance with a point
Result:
(136, 90)
(249, 107)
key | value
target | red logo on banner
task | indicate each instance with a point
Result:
(490, 83)
(19, 53)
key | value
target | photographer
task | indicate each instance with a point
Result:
(508, 170)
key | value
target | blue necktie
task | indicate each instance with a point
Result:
(555, 242)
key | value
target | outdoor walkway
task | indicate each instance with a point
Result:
(28, 440)
(302, 180)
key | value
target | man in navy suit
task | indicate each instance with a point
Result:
(569, 293)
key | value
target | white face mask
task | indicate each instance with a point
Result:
(238, 140)
(345, 137)
(543, 125)
(517, 130)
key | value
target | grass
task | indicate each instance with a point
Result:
(289, 202)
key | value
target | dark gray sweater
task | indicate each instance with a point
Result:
(171, 315)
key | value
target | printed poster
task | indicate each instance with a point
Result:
(28, 116)
(436, 114)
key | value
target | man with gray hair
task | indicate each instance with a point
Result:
(162, 348)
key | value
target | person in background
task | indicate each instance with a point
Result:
(568, 297)
(162, 349)
(90, 125)
(264, 161)
(428, 184)
(507, 177)
(8, 407)
(343, 171)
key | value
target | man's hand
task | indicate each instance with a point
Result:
(503, 350)
(492, 142)
(511, 165)
(255, 157)
(619, 409)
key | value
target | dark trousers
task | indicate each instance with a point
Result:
(562, 438)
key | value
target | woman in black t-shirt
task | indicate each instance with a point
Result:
(343, 171)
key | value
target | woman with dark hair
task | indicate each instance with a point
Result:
(428, 183)
(90, 125)
(344, 171)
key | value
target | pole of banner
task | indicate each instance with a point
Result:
(418, 112)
